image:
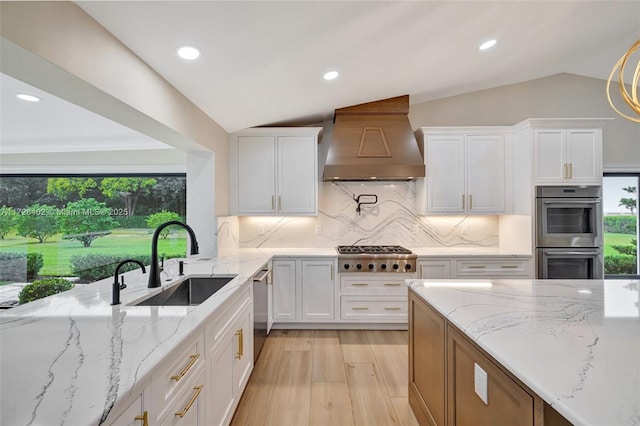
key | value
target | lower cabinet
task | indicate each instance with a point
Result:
(446, 369)
(188, 408)
(284, 290)
(507, 403)
(136, 414)
(230, 362)
(475, 267)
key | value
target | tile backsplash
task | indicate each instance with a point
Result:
(392, 220)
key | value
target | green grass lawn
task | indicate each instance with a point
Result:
(57, 252)
(611, 239)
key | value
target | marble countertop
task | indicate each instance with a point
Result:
(576, 343)
(72, 358)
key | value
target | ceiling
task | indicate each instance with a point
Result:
(262, 62)
(55, 125)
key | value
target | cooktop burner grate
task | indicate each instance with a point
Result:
(372, 250)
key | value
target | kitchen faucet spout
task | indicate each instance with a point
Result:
(115, 297)
(154, 269)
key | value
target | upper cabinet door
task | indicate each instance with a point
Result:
(568, 156)
(549, 155)
(584, 154)
(297, 175)
(445, 174)
(256, 189)
(485, 174)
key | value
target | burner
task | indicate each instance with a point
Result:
(376, 259)
(372, 250)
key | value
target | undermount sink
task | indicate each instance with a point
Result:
(190, 292)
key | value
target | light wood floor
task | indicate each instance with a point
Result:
(329, 378)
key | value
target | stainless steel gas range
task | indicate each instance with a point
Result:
(375, 259)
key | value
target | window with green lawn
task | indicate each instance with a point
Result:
(79, 227)
(620, 223)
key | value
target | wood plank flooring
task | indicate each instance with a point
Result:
(329, 378)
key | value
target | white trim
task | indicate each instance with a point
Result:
(621, 169)
(94, 169)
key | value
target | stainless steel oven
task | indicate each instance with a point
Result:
(569, 263)
(569, 232)
(568, 216)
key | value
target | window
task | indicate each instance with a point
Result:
(79, 227)
(620, 217)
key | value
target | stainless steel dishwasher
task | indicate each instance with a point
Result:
(261, 308)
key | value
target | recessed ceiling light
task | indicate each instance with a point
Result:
(28, 98)
(331, 75)
(487, 44)
(188, 52)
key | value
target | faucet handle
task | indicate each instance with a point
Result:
(122, 284)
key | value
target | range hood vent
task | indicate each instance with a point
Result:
(374, 141)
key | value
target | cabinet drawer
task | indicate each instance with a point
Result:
(179, 368)
(227, 315)
(486, 267)
(374, 285)
(188, 408)
(373, 308)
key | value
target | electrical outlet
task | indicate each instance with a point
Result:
(261, 230)
(416, 229)
(480, 383)
(318, 229)
(464, 229)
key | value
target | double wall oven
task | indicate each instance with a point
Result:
(569, 232)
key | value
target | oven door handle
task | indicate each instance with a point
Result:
(572, 202)
(562, 252)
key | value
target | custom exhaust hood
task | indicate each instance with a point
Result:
(374, 141)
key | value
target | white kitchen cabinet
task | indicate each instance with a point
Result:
(564, 156)
(374, 298)
(284, 290)
(475, 267)
(434, 269)
(136, 413)
(317, 289)
(188, 408)
(274, 171)
(230, 360)
(466, 172)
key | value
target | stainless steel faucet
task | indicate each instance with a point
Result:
(115, 297)
(154, 269)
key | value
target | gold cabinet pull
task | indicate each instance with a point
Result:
(477, 266)
(470, 202)
(195, 395)
(359, 284)
(392, 309)
(144, 417)
(332, 272)
(463, 201)
(360, 308)
(273, 202)
(240, 334)
(193, 359)
(566, 171)
(508, 266)
(279, 202)
(570, 170)
(392, 284)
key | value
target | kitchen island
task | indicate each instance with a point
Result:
(544, 347)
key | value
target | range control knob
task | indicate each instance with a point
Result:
(358, 266)
(383, 266)
(407, 266)
(395, 266)
(371, 266)
(346, 266)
